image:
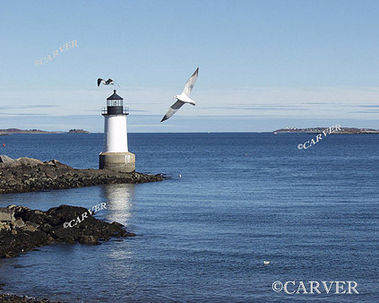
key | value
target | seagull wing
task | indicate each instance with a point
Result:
(190, 83)
(99, 81)
(109, 81)
(172, 110)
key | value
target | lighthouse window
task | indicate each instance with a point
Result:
(115, 103)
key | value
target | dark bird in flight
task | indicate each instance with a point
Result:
(107, 82)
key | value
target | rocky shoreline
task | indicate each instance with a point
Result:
(27, 175)
(23, 229)
(9, 298)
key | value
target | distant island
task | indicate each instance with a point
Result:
(317, 130)
(78, 131)
(9, 131)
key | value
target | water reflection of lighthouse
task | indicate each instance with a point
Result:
(119, 199)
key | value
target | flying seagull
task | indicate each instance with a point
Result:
(184, 97)
(107, 82)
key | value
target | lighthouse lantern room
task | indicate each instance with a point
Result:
(116, 155)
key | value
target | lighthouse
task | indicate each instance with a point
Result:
(116, 155)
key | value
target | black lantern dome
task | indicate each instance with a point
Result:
(115, 105)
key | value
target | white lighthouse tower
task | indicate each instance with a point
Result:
(116, 155)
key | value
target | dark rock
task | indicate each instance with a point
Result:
(88, 240)
(6, 215)
(4, 159)
(26, 174)
(19, 223)
(36, 228)
(8, 298)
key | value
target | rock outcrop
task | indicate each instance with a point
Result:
(4, 159)
(7, 298)
(26, 174)
(23, 229)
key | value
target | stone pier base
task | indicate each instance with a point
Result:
(123, 162)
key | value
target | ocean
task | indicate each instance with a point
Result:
(231, 202)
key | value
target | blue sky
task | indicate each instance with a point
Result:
(263, 64)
